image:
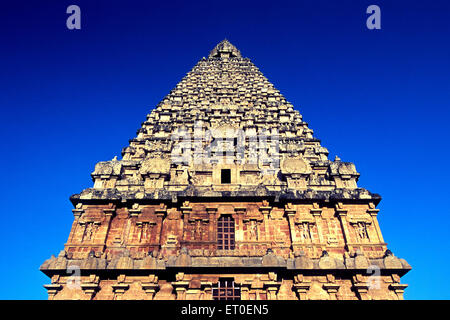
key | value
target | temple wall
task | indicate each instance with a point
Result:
(284, 228)
(252, 287)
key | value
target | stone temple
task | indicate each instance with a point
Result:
(225, 194)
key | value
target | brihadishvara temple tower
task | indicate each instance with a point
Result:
(225, 194)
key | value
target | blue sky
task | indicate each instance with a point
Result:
(71, 98)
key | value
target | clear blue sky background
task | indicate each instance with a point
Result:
(72, 98)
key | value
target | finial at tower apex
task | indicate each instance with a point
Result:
(225, 49)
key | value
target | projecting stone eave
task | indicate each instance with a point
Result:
(359, 195)
(387, 265)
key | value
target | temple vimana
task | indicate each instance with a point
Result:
(225, 194)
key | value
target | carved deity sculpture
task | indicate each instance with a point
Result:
(253, 230)
(89, 231)
(198, 230)
(304, 231)
(362, 231)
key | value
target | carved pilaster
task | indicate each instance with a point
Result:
(398, 289)
(180, 289)
(161, 212)
(265, 210)
(52, 289)
(374, 213)
(180, 286)
(211, 211)
(272, 288)
(301, 286)
(91, 286)
(120, 287)
(341, 213)
(316, 212)
(206, 287)
(78, 211)
(332, 289)
(135, 211)
(150, 286)
(186, 208)
(150, 289)
(245, 290)
(361, 287)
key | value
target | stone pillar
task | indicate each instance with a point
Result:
(160, 212)
(91, 286)
(90, 289)
(180, 286)
(212, 225)
(109, 213)
(301, 286)
(52, 290)
(180, 289)
(332, 289)
(133, 214)
(362, 290)
(302, 290)
(272, 288)
(317, 214)
(373, 213)
(239, 227)
(186, 209)
(290, 212)
(265, 210)
(341, 213)
(206, 287)
(245, 290)
(150, 287)
(398, 289)
(134, 211)
(361, 287)
(119, 289)
(77, 213)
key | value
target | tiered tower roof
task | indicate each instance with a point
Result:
(225, 114)
(224, 186)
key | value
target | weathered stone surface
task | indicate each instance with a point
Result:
(152, 226)
(327, 262)
(271, 259)
(183, 259)
(151, 262)
(301, 261)
(361, 262)
(391, 261)
(165, 292)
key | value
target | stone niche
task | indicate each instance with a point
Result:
(249, 174)
(344, 174)
(154, 172)
(106, 173)
(201, 174)
(296, 170)
(179, 178)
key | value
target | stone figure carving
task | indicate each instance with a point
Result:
(198, 230)
(362, 230)
(305, 233)
(89, 231)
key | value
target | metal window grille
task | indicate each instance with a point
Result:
(226, 289)
(225, 233)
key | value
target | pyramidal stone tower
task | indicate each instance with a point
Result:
(225, 194)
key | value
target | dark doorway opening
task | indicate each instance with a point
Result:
(226, 176)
